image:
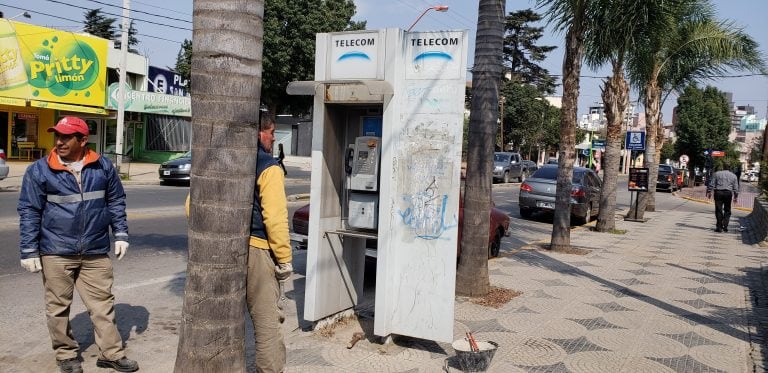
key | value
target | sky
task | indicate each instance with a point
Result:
(163, 27)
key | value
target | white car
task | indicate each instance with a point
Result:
(750, 175)
(3, 166)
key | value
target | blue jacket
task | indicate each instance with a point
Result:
(263, 161)
(57, 218)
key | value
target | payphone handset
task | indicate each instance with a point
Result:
(365, 164)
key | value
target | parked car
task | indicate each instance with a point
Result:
(499, 227)
(176, 169)
(506, 166)
(538, 193)
(529, 167)
(667, 179)
(3, 167)
(750, 175)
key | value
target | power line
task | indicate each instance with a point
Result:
(455, 16)
(119, 15)
(80, 22)
(45, 14)
(140, 11)
(159, 7)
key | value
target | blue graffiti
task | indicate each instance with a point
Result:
(426, 215)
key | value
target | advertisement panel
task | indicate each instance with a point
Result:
(167, 82)
(52, 65)
(149, 102)
(638, 179)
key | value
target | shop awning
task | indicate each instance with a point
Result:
(13, 101)
(68, 107)
(308, 87)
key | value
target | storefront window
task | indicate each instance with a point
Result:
(23, 129)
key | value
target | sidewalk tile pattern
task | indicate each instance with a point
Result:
(645, 301)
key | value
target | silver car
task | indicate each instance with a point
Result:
(507, 165)
(538, 193)
(3, 167)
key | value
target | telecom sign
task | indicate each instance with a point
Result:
(354, 55)
(434, 55)
(635, 141)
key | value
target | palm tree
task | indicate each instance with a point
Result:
(472, 272)
(687, 45)
(623, 21)
(571, 16)
(226, 76)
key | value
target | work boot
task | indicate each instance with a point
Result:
(69, 366)
(123, 364)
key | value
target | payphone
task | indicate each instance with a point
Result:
(363, 183)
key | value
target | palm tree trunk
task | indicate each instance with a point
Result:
(574, 53)
(616, 99)
(472, 273)
(647, 200)
(225, 102)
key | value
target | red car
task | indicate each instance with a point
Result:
(499, 227)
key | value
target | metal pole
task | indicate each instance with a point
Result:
(637, 195)
(126, 24)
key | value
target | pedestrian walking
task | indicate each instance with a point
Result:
(281, 158)
(69, 201)
(726, 189)
(269, 254)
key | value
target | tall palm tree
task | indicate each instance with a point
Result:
(623, 21)
(226, 76)
(687, 45)
(571, 16)
(472, 273)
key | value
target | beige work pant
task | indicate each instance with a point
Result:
(266, 309)
(92, 276)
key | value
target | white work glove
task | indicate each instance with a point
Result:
(32, 264)
(121, 247)
(283, 271)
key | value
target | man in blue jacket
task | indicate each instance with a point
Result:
(68, 202)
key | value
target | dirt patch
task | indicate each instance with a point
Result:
(329, 330)
(496, 298)
(571, 250)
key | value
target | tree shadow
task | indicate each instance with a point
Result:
(128, 318)
(718, 320)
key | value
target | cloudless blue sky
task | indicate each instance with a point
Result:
(162, 41)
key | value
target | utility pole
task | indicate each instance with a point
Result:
(126, 24)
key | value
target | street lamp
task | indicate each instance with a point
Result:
(438, 8)
(25, 14)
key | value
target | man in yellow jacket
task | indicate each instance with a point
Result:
(269, 254)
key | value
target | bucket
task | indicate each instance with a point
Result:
(471, 361)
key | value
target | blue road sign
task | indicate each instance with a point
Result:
(635, 141)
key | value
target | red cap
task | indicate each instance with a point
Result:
(70, 125)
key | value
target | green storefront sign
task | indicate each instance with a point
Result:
(150, 102)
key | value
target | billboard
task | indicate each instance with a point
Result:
(52, 65)
(167, 82)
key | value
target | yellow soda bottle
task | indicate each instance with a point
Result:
(12, 72)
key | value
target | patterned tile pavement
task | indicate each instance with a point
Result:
(669, 295)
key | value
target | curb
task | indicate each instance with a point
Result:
(745, 209)
(298, 197)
